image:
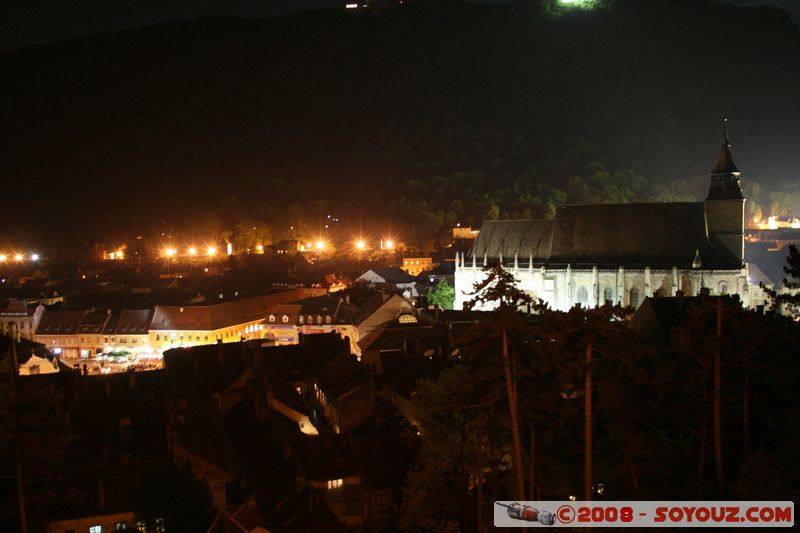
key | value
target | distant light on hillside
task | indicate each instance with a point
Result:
(585, 4)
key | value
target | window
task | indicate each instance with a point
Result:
(608, 296)
(723, 287)
(158, 337)
(96, 529)
(328, 319)
(634, 297)
(285, 319)
(121, 526)
(300, 319)
(582, 296)
(272, 318)
(335, 483)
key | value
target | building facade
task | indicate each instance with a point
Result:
(620, 254)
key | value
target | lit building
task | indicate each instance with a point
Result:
(593, 254)
(23, 318)
(415, 266)
(182, 326)
(58, 330)
(311, 316)
(467, 232)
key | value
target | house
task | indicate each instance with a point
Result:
(380, 309)
(392, 278)
(58, 330)
(23, 318)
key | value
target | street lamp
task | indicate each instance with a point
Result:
(3, 258)
(193, 251)
(18, 257)
(170, 252)
(360, 245)
(211, 251)
(34, 257)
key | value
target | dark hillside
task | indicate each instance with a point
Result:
(130, 129)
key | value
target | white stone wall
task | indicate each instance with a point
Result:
(587, 285)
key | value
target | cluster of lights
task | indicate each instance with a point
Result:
(18, 257)
(191, 251)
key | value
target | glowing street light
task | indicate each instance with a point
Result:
(170, 252)
(388, 244)
(34, 257)
(361, 245)
(211, 251)
(320, 245)
(3, 258)
(192, 251)
(18, 257)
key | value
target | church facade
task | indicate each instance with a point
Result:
(621, 253)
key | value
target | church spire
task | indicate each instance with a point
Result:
(725, 164)
(725, 175)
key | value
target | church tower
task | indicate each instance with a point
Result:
(725, 203)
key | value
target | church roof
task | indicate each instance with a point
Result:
(645, 234)
(507, 238)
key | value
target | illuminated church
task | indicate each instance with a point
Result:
(622, 253)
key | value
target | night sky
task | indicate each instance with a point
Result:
(30, 22)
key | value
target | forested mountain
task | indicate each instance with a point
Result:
(416, 116)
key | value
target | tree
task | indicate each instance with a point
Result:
(442, 295)
(499, 289)
(461, 433)
(790, 297)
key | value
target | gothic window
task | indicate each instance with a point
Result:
(634, 297)
(608, 296)
(723, 287)
(583, 296)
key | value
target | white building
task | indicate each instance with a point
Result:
(621, 253)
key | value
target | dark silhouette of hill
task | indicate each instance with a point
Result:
(131, 128)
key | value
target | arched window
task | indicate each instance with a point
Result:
(582, 296)
(634, 297)
(285, 318)
(723, 287)
(272, 318)
(608, 296)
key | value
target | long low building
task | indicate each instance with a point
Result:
(72, 334)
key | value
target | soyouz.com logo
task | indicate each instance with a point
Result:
(644, 514)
